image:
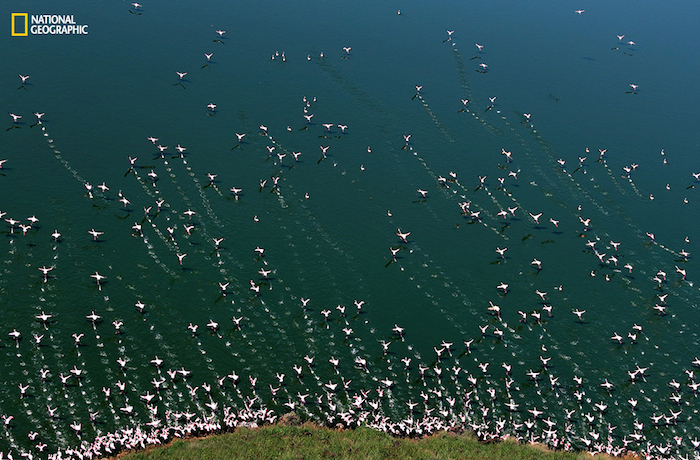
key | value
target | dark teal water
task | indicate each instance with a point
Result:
(103, 94)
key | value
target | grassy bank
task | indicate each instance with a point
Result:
(312, 442)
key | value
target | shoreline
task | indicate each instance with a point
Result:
(292, 426)
(311, 429)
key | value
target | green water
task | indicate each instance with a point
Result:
(104, 93)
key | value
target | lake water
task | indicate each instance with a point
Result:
(328, 226)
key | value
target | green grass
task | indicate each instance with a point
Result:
(311, 442)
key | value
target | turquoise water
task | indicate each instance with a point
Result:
(104, 93)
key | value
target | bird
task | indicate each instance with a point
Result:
(579, 11)
(15, 335)
(93, 317)
(56, 235)
(98, 278)
(122, 362)
(43, 317)
(95, 234)
(681, 271)
(45, 270)
(403, 235)
(579, 314)
(181, 74)
(536, 217)
(193, 328)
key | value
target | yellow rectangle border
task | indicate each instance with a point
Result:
(26, 24)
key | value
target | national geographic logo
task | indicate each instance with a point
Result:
(45, 24)
(20, 24)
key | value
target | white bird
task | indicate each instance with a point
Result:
(98, 278)
(43, 317)
(403, 236)
(93, 317)
(95, 234)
